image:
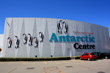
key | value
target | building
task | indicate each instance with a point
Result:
(1, 43)
(47, 37)
(109, 42)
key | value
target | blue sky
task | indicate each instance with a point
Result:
(92, 11)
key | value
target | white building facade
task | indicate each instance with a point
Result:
(1, 43)
(47, 37)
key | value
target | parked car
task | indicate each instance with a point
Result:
(105, 55)
(88, 56)
(98, 54)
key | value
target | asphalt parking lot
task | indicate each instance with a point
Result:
(64, 66)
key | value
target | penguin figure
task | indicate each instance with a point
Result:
(62, 27)
(9, 42)
(16, 42)
(24, 38)
(41, 36)
(35, 42)
(30, 39)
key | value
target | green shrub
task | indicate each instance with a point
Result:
(76, 57)
(33, 58)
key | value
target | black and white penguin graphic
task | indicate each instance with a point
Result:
(24, 38)
(35, 42)
(9, 42)
(30, 39)
(41, 36)
(16, 42)
(62, 27)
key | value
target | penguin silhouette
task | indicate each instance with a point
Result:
(35, 42)
(9, 42)
(62, 27)
(41, 36)
(16, 42)
(24, 38)
(30, 39)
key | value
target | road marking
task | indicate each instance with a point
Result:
(45, 62)
(60, 70)
(52, 69)
(24, 63)
(12, 70)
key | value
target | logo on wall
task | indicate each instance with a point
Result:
(62, 27)
(24, 38)
(30, 39)
(9, 42)
(41, 36)
(16, 42)
(35, 42)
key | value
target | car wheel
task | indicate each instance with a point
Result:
(80, 58)
(88, 59)
(106, 57)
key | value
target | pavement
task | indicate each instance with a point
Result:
(63, 66)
